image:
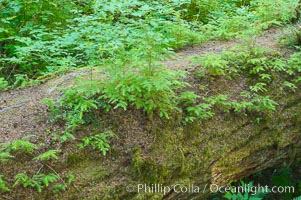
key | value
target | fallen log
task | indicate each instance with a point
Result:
(216, 151)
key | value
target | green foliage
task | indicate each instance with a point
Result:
(218, 100)
(214, 64)
(244, 59)
(246, 195)
(38, 181)
(25, 25)
(3, 84)
(70, 178)
(150, 92)
(62, 187)
(127, 40)
(297, 198)
(38, 37)
(225, 26)
(65, 34)
(291, 37)
(200, 111)
(274, 12)
(241, 107)
(294, 64)
(48, 155)
(290, 85)
(255, 61)
(228, 19)
(132, 79)
(64, 137)
(256, 103)
(258, 65)
(76, 104)
(22, 80)
(263, 103)
(3, 186)
(283, 178)
(5, 156)
(98, 142)
(135, 79)
(71, 108)
(188, 98)
(59, 187)
(258, 87)
(21, 146)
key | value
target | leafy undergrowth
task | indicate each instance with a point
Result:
(38, 39)
(286, 177)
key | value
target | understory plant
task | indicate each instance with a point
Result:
(3, 185)
(38, 181)
(247, 194)
(98, 142)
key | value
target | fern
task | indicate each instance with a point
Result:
(246, 195)
(290, 85)
(3, 83)
(48, 178)
(3, 186)
(64, 137)
(49, 155)
(59, 187)
(98, 142)
(214, 64)
(20, 178)
(188, 98)
(263, 103)
(23, 146)
(5, 156)
(38, 181)
(258, 87)
(297, 198)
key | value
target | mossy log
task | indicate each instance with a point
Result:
(216, 151)
(226, 147)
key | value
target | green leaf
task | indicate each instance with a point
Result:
(50, 154)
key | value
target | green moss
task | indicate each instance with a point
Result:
(147, 169)
(75, 158)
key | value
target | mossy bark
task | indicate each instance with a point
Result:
(224, 148)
